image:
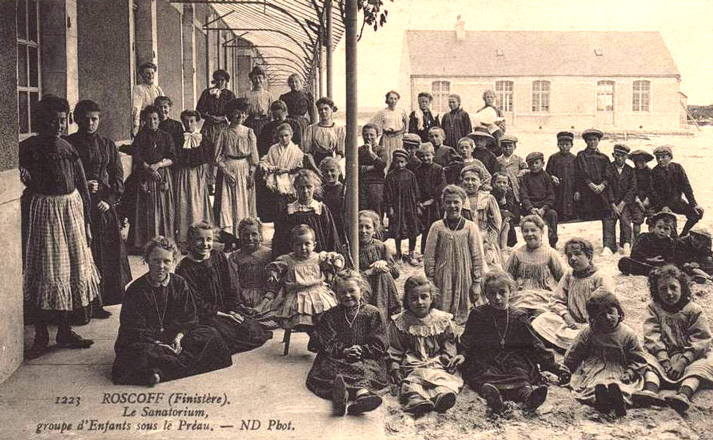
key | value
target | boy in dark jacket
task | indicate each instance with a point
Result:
(537, 194)
(642, 204)
(693, 254)
(622, 191)
(651, 249)
(509, 208)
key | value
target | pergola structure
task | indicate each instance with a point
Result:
(289, 36)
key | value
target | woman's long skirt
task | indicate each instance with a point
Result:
(234, 202)
(191, 198)
(153, 212)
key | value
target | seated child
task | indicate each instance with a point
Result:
(536, 269)
(606, 359)
(301, 274)
(562, 167)
(155, 347)
(483, 209)
(512, 164)
(334, 194)
(401, 203)
(502, 352)
(423, 355)
(215, 292)
(431, 180)
(651, 249)
(509, 209)
(351, 342)
(622, 190)
(669, 182)
(377, 266)
(677, 339)
(248, 264)
(692, 254)
(537, 195)
(642, 204)
(568, 312)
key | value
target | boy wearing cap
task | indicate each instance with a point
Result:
(622, 191)
(431, 181)
(442, 154)
(372, 159)
(482, 138)
(669, 184)
(591, 175)
(641, 205)
(562, 167)
(537, 194)
(456, 123)
(693, 254)
(511, 164)
(651, 249)
(411, 144)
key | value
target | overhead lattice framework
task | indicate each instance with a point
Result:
(286, 34)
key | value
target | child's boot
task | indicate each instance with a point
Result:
(493, 397)
(535, 398)
(340, 396)
(444, 401)
(601, 398)
(417, 405)
(616, 399)
(364, 401)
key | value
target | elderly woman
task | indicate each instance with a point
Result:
(259, 100)
(300, 104)
(324, 138)
(423, 118)
(392, 123)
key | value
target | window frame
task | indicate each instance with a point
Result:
(599, 93)
(540, 96)
(440, 97)
(27, 44)
(507, 106)
(640, 93)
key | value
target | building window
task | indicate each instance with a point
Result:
(540, 96)
(28, 64)
(504, 95)
(605, 96)
(641, 96)
(440, 91)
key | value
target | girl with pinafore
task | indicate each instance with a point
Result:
(351, 342)
(152, 212)
(105, 179)
(454, 258)
(423, 356)
(483, 209)
(325, 138)
(377, 266)
(59, 272)
(677, 340)
(236, 156)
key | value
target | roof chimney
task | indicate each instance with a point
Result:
(460, 29)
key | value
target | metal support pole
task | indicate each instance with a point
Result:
(352, 134)
(328, 47)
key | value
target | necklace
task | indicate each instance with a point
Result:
(460, 223)
(346, 317)
(160, 317)
(507, 324)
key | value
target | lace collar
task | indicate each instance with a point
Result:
(435, 323)
(297, 207)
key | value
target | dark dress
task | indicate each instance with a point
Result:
(215, 290)
(508, 367)
(371, 182)
(456, 123)
(139, 354)
(591, 168)
(431, 181)
(563, 166)
(429, 120)
(332, 335)
(488, 159)
(300, 107)
(268, 136)
(334, 196)
(175, 129)
(210, 105)
(150, 205)
(384, 295)
(101, 162)
(510, 211)
(401, 192)
(317, 216)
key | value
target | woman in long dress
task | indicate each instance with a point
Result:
(300, 104)
(392, 123)
(324, 138)
(277, 170)
(236, 156)
(259, 100)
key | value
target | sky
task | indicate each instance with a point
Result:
(686, 27)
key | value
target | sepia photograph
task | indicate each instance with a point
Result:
(356, 219)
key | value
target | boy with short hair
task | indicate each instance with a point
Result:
(411, 143)
(443, 154)
(641, 206)
(537, 194)
(669, 183)
(622, 191)
(512, 164)
(563, 169)
(651, 249)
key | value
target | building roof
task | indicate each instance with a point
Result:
(535, 53)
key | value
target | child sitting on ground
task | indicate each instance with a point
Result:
(537, 194)
(423, 355)
(401, 203)
(351, 342)
(606, 359)
(692, 254)
(377, 266)
(642, 205)
(677, 339)
(509, 209)
(568, 312)
(502, 352)
(562, 167)
(651, 249)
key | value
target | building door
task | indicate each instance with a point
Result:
(605, 103)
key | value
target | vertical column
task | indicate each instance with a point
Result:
(212, 38)
(352, 128)
(328, 47)
(59, 48)
(146, 34)
(189, 57)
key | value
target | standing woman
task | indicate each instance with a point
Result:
(259, 100)
(105, 178)
(392, 123)
(152, 211)
(236, 156)
(143, 94)
(423, 118)
(300, 104)
(324, 138)
(59, 271)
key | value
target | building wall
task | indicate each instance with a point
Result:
(572, 102)
(170, 53)
(201, 65)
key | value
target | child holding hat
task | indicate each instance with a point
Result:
(641, 205)
(669, 183)
(563, 169)
(622, 190)
(537, 194)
